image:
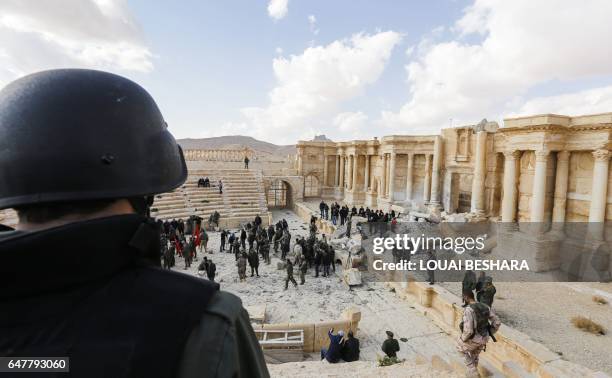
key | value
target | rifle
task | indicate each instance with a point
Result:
(491, 333)
(488, 330)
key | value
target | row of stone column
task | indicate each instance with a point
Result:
(599, 188)
(431, 187)
(215, 155)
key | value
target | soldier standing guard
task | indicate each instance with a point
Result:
(97, 192)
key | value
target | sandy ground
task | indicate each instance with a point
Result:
(323, 299)
(543, 311)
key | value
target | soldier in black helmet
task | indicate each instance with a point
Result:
(82, 154)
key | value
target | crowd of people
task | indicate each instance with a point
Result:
(338, 214)
(254, 243)
(182, 238)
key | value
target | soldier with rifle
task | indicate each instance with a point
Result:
(479, 322)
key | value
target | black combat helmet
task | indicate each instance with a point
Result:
(74, 134)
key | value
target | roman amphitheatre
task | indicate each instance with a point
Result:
(534, 179)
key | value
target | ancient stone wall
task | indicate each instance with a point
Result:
(540, 168)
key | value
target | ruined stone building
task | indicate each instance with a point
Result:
(544, 168)
(537, 168)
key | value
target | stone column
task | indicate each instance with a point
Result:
(342, 164)
(300, 164)
(409, 177)
(355, 167)
(383, 189)
(510, 189)
(366, 181)
(392, 177)
(560, 199)
(349, 183)
(599, 189)
(434, 199)
(427, 183)
(337, 172)
(538, 198)
(478, 182)
(325, 173)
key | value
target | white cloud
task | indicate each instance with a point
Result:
(352, 125)
(277, 9)
(279, 50)
(523, 43)
(590, 101)
(310, 86)
(37, 35)
(312, 22)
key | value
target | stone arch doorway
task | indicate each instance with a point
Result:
(279, 194)
(312, 187)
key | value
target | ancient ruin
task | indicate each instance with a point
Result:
(549, 170)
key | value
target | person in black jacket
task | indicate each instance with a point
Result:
(253, 259)
(211, 271)
(88, 151)
(350, 348)
(390, 346)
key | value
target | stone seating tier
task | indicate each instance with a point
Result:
(243, 197)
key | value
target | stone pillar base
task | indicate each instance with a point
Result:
(435, 207)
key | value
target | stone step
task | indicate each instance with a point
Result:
(169, 198)
(167, 205)
(514, 370)
(205, 201)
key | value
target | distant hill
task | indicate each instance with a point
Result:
(236, 142)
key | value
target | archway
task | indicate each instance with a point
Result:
(279, 194)
(311, 186)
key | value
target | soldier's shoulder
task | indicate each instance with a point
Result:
(8, 233)
(173, 283)
(225, 305)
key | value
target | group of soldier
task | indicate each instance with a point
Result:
(340, 214)
(483, 286)
(253, 242)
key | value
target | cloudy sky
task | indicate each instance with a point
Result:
(282, 70)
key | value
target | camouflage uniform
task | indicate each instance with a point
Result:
(472, 342)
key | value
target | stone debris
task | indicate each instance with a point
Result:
(352, 277)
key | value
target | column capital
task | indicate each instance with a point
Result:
(542, 155)
(563, 155)
(512, 154)
(601, 155)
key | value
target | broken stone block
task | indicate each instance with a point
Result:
(352, 277)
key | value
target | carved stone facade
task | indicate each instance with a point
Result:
(539, 168)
